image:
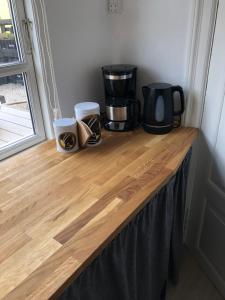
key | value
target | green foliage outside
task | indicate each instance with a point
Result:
(7, 36)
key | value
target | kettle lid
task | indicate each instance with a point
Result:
(159, 86)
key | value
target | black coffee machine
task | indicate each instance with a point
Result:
(122, 107)
(160, 115)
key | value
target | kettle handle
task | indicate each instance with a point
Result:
(181, 92)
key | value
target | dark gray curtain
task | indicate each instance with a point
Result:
(137, 264)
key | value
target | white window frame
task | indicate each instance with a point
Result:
(24, 66)
(43, 61)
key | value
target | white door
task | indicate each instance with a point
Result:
(210, 182)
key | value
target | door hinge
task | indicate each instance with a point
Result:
(28, 26)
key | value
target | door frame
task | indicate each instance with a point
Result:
(204, 16)
(197, 207)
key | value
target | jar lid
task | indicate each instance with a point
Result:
(64, 122)
(87, 107)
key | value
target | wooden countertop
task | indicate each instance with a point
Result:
(57, 211)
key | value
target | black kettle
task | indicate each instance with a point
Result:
(159, 108)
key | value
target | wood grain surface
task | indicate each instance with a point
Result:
(57, 211)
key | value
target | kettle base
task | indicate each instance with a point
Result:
(157, 129)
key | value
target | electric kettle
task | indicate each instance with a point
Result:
(159, 107)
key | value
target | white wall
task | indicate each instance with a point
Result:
(153, 34)
(81, 41)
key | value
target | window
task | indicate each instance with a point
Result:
(21, 123)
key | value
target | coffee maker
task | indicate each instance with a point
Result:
(122, 107)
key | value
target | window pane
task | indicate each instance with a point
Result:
(8, 46)
(15, 116)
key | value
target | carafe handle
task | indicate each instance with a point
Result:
(181, 92)
(136, 112)
(139, 111)
(145, 91)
